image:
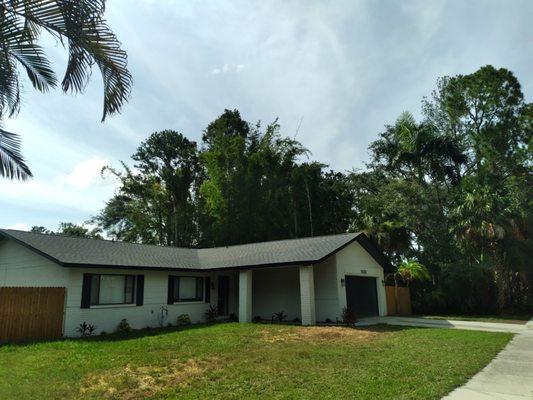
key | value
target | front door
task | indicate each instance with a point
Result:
(223, 295)
(362, 296)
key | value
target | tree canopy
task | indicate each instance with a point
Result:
(454, 191)
(242, 184)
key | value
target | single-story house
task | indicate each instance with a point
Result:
(310, 279)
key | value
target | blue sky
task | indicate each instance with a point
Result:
(342, 68)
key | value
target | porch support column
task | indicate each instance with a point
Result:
(245, 295)
(307, 295)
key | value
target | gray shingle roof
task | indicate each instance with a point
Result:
(73, 251)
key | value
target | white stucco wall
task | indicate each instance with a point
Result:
(354, 260)
(326, 293)
(275, 290)
(22, 267)
(106, 318)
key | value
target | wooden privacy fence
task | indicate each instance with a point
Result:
(404, 301)
(31, 313)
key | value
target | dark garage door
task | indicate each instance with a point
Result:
(362, 296)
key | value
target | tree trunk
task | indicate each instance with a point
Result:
(310, 209)
(501, 277)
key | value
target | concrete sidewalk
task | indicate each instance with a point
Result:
(509, 376)
(446, 323)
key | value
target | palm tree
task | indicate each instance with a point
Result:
(408, 271)
(417, 150)
(78, 26)
(411, 270)
(488, 221)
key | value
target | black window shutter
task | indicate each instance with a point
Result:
(140, 290)
(86, 291)
(170, 296)
(208, 289)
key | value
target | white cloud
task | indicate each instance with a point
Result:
(84, 174)
(227, 68)
(81, 192)
(19, 226)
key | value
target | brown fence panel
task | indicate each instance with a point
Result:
(31, 313)
(404, 301)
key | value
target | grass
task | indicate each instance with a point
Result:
(508, 319)
(233, 361)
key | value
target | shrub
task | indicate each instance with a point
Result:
(86, 329)
(297, 320)
(211, 314)
(233, 317)
(124, 326)
(184, 320)
(279, 316)
(256, 319)
(348, 316)
(329, 321)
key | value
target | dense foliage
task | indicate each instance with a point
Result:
(454, 191)
(243, 184)
(451, 192)
(70, 229)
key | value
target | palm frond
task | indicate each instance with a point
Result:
(17, 43)
(37, 66)
(9, 87)
(12, 164)
(411, 270)
(76, 24)
(9, 78)
(90, 41)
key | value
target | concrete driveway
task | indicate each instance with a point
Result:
(445, 323)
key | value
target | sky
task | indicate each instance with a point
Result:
(333, 72)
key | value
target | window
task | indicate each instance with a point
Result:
(188, 288)
(112, 289)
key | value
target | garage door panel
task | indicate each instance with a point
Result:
(362, 295)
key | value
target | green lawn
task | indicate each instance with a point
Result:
(234, 361)
(507, 319)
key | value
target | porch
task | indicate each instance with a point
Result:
(264, 292)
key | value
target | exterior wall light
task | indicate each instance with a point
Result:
(343, 282)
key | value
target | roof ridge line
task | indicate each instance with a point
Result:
(280, 240)
(177, 247)
(62, 235)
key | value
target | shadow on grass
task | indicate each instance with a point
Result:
(116, 336)
(148, 332)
